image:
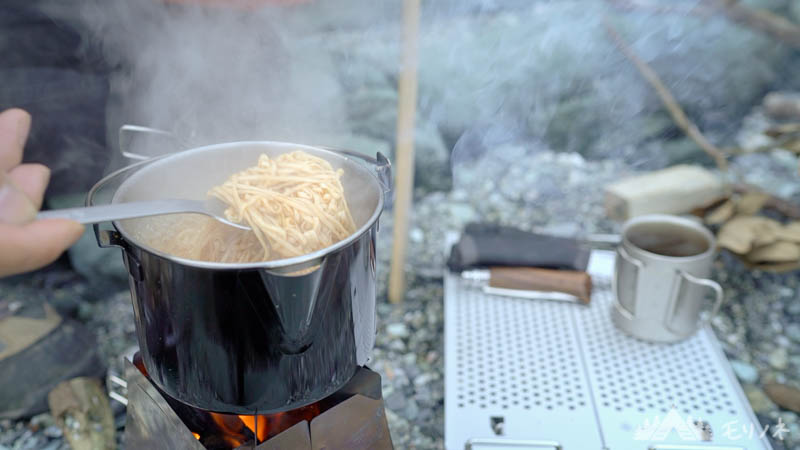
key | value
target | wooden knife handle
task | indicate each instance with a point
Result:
(571, 282)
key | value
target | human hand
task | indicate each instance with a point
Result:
(25, 243)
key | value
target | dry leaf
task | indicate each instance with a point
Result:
(790, 232)
(736, 236)
(721, 213)
(751, 203)
(776, 252)
(782, 130)
(792, 146)
(783, 267)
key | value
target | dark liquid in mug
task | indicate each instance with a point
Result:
(667, 239)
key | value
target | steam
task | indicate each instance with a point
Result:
(217, 74)
(542, 75)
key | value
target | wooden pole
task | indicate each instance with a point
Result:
(404, 148)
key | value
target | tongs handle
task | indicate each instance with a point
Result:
(121, 211)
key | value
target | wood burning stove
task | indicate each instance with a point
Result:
(351, 418)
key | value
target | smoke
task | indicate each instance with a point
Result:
(492, 73)
(214, 74)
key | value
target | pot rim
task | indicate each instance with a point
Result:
(282, 266)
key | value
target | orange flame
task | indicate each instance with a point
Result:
(232, 429)
(250, 423)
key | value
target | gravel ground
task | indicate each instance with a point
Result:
(525, 187)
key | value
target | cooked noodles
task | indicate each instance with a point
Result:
(293, 203)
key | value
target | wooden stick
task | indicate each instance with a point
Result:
(661, 8)
(674, 109)
(765, 21)
(404, 149)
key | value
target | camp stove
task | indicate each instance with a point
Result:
(351, 418)
(537, 374)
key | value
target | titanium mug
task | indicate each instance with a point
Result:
(661, 277)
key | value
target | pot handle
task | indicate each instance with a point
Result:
(380, 163)
(109, 238)
(128, 130)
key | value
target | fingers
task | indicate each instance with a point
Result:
(32, 180)
(35, 245)
(14, 127)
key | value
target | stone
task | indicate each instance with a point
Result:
(783, 105)
(412, 410)
(53, 432)
(423, 380)
(794, 11)
(793, 332)
(396, 401)
(779, 358)
(746, 373)
(785, 396)
(681, 150)
(397, 330)
(758, 400)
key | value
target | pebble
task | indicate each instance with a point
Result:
(396, 401)
(422, 379)
(794, 307)
(779, 358)
(412, 409)
(746, 373)
(397, 346)
(53, 432)
(759, 400)
(793, 332)
(397, 330)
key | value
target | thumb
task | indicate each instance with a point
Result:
(35, 245)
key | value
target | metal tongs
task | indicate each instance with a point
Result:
(17, 208)
(211, 207)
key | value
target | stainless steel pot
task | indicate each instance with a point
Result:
(250, 338)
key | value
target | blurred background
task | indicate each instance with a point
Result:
(526, 111)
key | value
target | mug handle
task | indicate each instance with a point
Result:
(626, 313)
(705, 282)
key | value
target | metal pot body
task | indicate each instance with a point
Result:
(240, 341)
(254, 338)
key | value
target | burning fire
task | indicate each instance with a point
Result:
(235, 430)
(231, 429)
(251, 421)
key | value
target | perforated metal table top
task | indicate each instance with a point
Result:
(542, 374)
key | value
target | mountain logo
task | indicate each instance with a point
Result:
(660, 429)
